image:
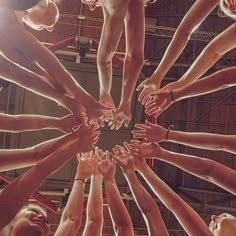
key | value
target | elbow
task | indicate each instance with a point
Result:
(208, 169)
(104, 59)
(174, 204)
(213, 52)
(95, 220)
(149, 207)
(183, 33)
(74, 222)
(123, 226)
(135, 59)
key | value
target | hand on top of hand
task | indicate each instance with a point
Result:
(87, 138)
(147, 88)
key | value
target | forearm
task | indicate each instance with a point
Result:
(132, 69)
(200, 167)
(204, 140)
(119, 213)
(147, 205)
(24, 186)
(220, 45)
(19, 158)
(72, 215)
(94, 220)
(18, 123)
(212, 83)
(208, 170)
(183, 212)
(194, 17)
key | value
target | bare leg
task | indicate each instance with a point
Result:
(134, 29)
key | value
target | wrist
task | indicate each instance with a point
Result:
(158, 76)
(167, 135)
(128, 172)
(108, 181)
(80, 180)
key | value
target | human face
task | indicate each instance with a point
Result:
(44, 16)
(30, 221)
(223, 225)
(228, 7)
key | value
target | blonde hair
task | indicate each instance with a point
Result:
(225, 10)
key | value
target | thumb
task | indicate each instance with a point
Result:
(127, 123)
(148, 123)
(140, 87)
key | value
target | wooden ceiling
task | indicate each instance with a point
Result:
(215, 113)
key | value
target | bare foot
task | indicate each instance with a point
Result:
(120, 116)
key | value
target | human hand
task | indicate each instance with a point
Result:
(120, 116)
(149, 132)
(147, 88)
(138, 162)
(144, 150)
(69, 123)
(156, 104)
(98, 114)
(123, 158)
(107, 167)
(86, 165)
(77, 109)
(87, 137)
(98, 155)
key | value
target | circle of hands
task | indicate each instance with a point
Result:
(146, 136)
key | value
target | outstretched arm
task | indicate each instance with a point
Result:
(217, 81)
(143, 199)
(120, 217)
(24, 186)
(72, 215)
(156, 133)
(220, 45)
(18, 123)
(203, 168)
(94, 219)
(187, 217)
(19, 158)
(194, 17)
(133, 61)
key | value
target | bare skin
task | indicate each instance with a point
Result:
(29, 54)
(24, 186)
(117, 13)
(193, 18)
(155, 133)
(217, 81)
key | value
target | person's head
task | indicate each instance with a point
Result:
(43, 16)
(228, 7)
(31, 220)
(223, 225)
